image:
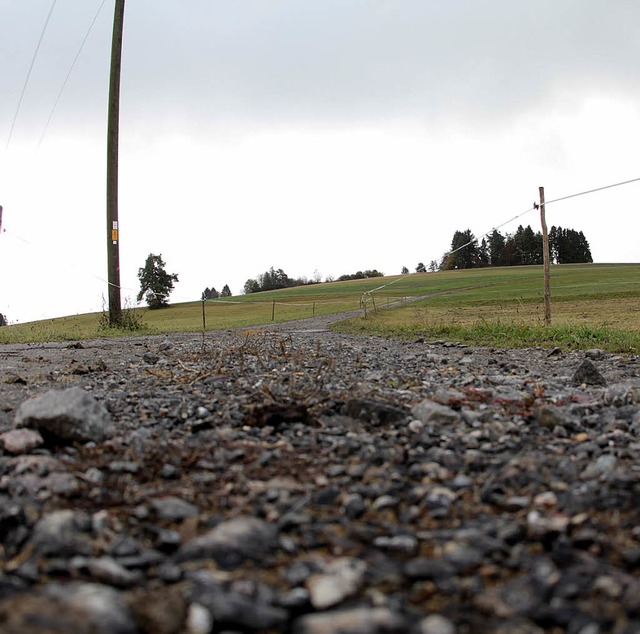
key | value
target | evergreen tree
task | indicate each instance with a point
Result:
(523, 247)
(405, 270)
(528, 246)
(464, 250)
(226, 291)
(3, 319)
(496, 248)
(483, 253)
(537, 248)
(510, 256)
(421, 268)
(583, 250)
(155, 283)
(210, 293)
(519, 246)
(567, 246)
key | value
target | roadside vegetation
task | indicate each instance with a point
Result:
(501, 334)
(593, 305)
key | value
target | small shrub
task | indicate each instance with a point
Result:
(130, 318)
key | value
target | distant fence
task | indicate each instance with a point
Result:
(301, 310)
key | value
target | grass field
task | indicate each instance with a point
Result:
(592, 305)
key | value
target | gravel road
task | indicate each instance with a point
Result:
(292, 479)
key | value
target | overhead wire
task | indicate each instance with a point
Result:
(63, 261)
(26, 81)
(591, 191)
(548, 202)
(73, 64)
(401, 277)
(90, 28)
(475, 240)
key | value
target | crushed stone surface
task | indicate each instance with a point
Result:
(292, 479)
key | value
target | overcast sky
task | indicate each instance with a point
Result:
(323, 136)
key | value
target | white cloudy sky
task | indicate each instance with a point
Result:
(308, 135)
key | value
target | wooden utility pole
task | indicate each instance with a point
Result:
(545, 260)
(113, 230)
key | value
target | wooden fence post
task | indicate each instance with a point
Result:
(545, 259)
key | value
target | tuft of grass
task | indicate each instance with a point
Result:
(130, 321)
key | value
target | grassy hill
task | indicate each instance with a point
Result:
(590, 303)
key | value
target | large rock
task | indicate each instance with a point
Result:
(70, 415)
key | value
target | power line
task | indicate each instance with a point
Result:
(562, 198)
(549, 202)
(26, 81)
(464, 246)
(591, 191)
(64, 84)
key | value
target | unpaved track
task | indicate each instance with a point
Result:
(292, 479)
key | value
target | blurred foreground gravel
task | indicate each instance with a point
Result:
(291, 479)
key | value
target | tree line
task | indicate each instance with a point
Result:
(566, 246)
(212, 293)
(274, 279)
(360, 275)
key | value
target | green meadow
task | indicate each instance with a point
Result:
(593, 305)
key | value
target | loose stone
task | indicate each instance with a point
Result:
(362, 620)
(67, 415)
(20, 441)
(292, 481)
(429, 412)
(233, 541)
(588, 374)
(341, 579)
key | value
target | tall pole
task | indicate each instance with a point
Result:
(545, 260)
(113, 235)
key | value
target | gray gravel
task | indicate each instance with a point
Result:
(291, 479)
